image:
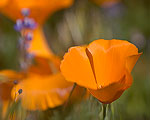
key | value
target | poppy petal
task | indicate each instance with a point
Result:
(109, 59)
(5, 90)
(76, 68)
(131, 61)
(112, 92)
(7, 78)
(42, 92)
(3, 3)
(10, 75)
(45, 66)
(44, 8)
(5, 108)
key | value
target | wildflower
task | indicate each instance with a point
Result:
(104, 67)
(42, 88)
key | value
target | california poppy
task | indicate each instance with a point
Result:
(43, 86)
(42, 92)
(104, 67)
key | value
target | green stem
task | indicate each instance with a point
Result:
(74, 86)
(104, 111)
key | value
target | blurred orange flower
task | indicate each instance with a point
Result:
(104, 67)
(40, 9)
(43, 87)
(42, 92)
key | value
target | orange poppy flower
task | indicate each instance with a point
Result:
(42, 92)
(104, 67)
(42, 87)
(40, 9)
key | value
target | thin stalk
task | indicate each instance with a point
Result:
(104, 110)
(74, 86)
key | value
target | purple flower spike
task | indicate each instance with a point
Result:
(27, 45)
(15, 82)
(30, 56)
(29, 23)
(20, 91)
(25, 12)
(29, 36)
(19, 25)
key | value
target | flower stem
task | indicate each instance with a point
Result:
(74, 86)
(104, 110)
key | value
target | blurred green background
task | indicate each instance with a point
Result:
(81, 24)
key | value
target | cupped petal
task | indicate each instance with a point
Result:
(112, 92)
(109, 58)
(131, 61)
(42, 92)
(76, 68)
